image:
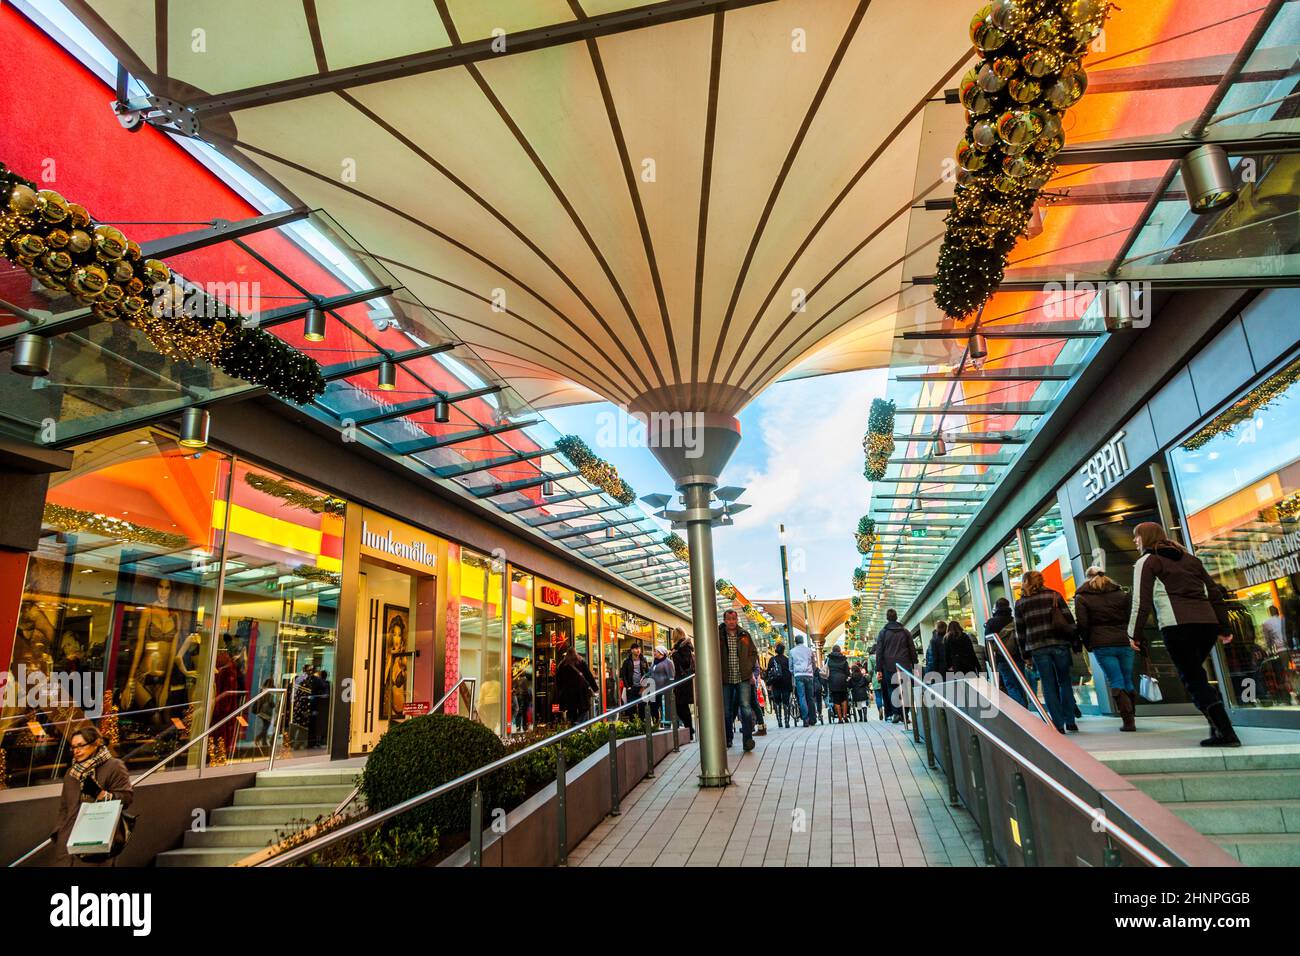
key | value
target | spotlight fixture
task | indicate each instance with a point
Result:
(1117, 306)
(194, 428)
(441, 411)
(387, 376)
(32, 354)
(940, 447)
(548, 488)
(1207, 179)
(979, 346)
(610, 532)
(313, 326)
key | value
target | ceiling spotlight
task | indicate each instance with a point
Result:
(1207, 179)
(610, 532)
(940, 447)
(441, 411)
(32, 354)
(548, 488)
(387, 376)
(1117, 306)
(313, 325)
(979, 346)
(194, 428)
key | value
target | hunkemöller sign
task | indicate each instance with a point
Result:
(414, 551)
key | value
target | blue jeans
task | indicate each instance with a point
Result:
(1053, 664)
(1010, 685)
(803, 687)
(735, 698)
(1117, 664)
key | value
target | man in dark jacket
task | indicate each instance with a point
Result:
(780, 681)
(739, 657)
(893, 647)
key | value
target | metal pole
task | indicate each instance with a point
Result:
(672, 704)
(910, 709)
(279, 723)
(649, 743)
(949, 766)
(929, 732)
(708, 662)
(476, 827)
(561, 805)
(785, 581)
(1111, 855)
(1025, 823)
(982, 799)
(613, 768)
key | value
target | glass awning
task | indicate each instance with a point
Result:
(491, 444)
(1117, 212)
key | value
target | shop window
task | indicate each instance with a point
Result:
(279, 612)
(481, 627)
(1050, 552)
(521, 714)
(115, 625)
(1239, 480)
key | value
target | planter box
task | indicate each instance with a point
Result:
(530, 831)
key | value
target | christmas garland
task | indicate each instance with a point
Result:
(878, 442)
(726, 589)
(60, 245)
(1015, 100)
(859, 579)
(678, 547)
(1257, 400)
(866, 534)
(317, 504)
(310, 573)
(72, 521)
(596, 470)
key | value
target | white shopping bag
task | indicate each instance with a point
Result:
(1149, 688)
(95, 827)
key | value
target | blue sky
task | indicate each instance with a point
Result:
(800, 458)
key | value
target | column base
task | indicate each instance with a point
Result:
(715, 780)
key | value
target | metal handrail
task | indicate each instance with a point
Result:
(176, 753)
(342, 833)
(1020, 760)
(1001, 648)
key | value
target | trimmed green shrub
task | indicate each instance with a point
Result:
(425, 752)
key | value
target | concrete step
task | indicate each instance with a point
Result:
(1262, 849)
(1208, 760)
(207, 856)
(1221, 817)
(310, 776)
(276, 815)
(1234, 785)
(271, 796)
(253, 835)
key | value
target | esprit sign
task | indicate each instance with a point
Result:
(1106, 467)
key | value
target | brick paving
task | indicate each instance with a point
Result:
(855, 794)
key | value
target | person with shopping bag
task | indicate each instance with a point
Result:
(95, 776)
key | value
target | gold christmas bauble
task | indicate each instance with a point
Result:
(28, 244)
(77, 213)
(984, 135)
(1046, 32)
(49, 280)
(56, 260)
(135, 286)
(989, 80)
(1016, 167)
(79, 242)
(1020, 127)
(969, 157)
(51, 206)
(122, 271)
(112, 294)
(983, 33)
(155, 272)
(22, 199)
(133, 250)
(106, 312)
(1068, 88)
(88, 282)
(132, 306)
(57, 238)
(110, 244)
(1007, 15)
(1038, 63)
(1025, 91)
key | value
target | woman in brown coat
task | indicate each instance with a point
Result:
(95, 775)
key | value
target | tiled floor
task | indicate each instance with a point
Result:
(831, 795)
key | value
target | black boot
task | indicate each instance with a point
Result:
(1221, 732)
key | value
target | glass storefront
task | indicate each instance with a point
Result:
(1239, 481)
(1049, 552)
(521, 711)
(482, 625)
(124, 623)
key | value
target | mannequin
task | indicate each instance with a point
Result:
(155, 645)
(185, 670)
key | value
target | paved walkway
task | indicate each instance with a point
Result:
(831, 795)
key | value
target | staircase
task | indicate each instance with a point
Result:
(1246, 800)
(261, 813)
